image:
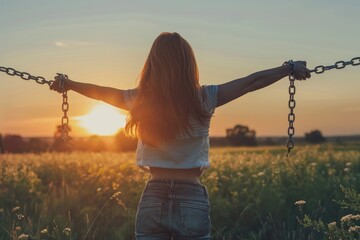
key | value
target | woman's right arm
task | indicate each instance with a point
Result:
(109, 95)
(241, 86)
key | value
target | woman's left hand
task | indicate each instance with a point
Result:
(56, 85)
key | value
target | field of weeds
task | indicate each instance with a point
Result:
(252, 192)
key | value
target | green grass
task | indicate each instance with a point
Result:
(252, 192)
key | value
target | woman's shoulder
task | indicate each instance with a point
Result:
(208, 94)
(129, 96)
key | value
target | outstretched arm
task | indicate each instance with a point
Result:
(238, 87)
(109, 95)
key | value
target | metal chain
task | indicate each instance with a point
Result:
(40, 80)
(65, 108)
(25, 76)
(338, 65)
(291, 117)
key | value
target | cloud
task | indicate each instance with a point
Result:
(69, 43)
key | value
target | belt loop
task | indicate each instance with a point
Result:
(206, 192)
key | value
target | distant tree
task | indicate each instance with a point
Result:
(241, 135)
(314, 137)
(1, 145)
(125, 143)
(59, 144)
(13, 143)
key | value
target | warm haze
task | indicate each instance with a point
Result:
(107, 42)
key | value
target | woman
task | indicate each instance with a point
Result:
(170, 113)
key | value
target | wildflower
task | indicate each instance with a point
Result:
(348, 164)
(260, 174)
(354, 229)
(23, 237)
(350, 217)
(15, 209)
(44, 231)
(234, 193)
(300, 202)
(115, 195)
(332, 225)
(20, 216)
(67, 231)
(115, 185)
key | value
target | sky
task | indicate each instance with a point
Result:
(106, 43)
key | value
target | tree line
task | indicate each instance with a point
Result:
(239, 135)
(14, 143)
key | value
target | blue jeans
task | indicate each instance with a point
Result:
(173, 209)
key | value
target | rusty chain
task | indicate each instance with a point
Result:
(318, 70)
(40, 80)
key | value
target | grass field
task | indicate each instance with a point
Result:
(252, 192)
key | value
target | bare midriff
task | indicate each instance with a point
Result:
(191, 174)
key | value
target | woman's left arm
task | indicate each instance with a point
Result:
(239, 87)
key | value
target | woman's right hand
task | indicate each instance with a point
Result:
(301, 72)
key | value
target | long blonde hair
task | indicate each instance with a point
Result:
(167, 92)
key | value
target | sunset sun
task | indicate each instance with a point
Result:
(102, 120)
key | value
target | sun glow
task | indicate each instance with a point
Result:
(103, 120)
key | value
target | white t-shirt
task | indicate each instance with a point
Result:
(187, 150)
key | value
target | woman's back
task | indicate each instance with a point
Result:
(189, 148)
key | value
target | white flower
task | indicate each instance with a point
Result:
(44, 231)
(15, 209)
(332, 225)
(354, 229)
(23, 237)
(350, 217)
(300, 202)
(67, 231)
(115, 195)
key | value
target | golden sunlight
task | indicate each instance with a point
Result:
(103, 120)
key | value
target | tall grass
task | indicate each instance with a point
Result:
(252, 192)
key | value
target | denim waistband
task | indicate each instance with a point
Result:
(173, 188)
(174, 182)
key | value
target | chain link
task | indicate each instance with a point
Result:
(25, 76)
(40, 80)
(338, 65)
(318, 70)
